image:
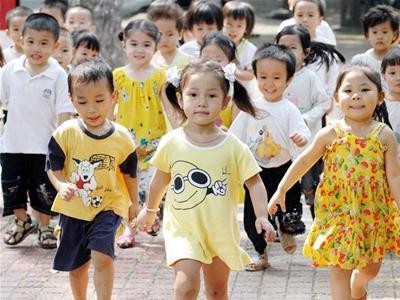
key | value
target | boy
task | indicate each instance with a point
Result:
(34, 88)
(63, 54)
(167, 16)
(381, 29)
(55, 8)
(202, 18)
(79, 17)
(274, 138)
(94, 177)
(15, 19)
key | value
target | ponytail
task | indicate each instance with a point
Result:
(323, 54)
(381, 114)
(170, 92)
(241, 98)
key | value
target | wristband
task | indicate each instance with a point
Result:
(152, 210)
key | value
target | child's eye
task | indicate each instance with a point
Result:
(81, 102)
(347, 91)
(385, 32)
(365, 90)
(99, 100)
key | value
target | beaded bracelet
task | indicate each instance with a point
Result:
(152, 210)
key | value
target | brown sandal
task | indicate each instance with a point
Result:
(288, 242)
(14, 236)
(259, 263)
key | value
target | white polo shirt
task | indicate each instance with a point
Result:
(33, 104)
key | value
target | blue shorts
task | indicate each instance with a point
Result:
(79, 237)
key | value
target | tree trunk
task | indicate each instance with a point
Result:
(107, 17)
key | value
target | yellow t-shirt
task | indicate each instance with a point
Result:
(140, 110)
(200, 213)
(95, 164)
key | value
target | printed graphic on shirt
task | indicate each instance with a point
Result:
(265, 146)
(146, 147)
(85, 177)
(192, 185)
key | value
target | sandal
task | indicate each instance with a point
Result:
(155, 228)
(259, 263)
(288, 242)
(46, 237)
(19, 231)
(126, 240)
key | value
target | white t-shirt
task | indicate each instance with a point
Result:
(10, 53)
(393, 108)
(245, 53)
(191, 48)
(323, 33)
(33, 103)
(308, 94)
(327, 77)
(268, 135)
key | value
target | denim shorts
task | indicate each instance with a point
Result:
(79, 237)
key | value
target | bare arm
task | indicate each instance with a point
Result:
(300, 166)
(66, 189)
(158, 186)
(132, 187)
(392, 164)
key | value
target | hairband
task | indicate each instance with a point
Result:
(173, 76)
(229, 72)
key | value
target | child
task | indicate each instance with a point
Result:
(63, 54)
(56, 9)
(356, 220)
(86, 46)
(168, 17)
(139, 104)
(381, 29)
(391, 73)
(202, 18)
(308, 94)
(221, 50)
(34, 87)
(95, 178)
(274, 137)
(79, 17)
(202, 167)
(15, 19)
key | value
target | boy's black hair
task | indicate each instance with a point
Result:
(392, 58)
(298, 30)
(62, 5)
(42, 22)
(277, 52)
(86, 39)
(223, 42)
(378, 15)
(240, 10)
(166, 10)
(90, 71)
(19, 11)
(204, 11)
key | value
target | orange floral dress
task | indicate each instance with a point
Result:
(357, 219)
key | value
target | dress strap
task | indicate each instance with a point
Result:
(378, 128)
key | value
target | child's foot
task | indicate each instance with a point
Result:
(19, 231)
(259, 263)
(288, 242)
(126, 240)
(155, 228)
(47, 238)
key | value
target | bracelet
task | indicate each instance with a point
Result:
(152, 210)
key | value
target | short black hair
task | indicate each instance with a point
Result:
(146, 26)
(298, 30)
(392, 58)
(42, 22)
(86, 39)
(240, 10)
(19, 11)
(90, 71)
(318, 3)
(223, 42)
(62, 5)
(378, 15)
(167, 10)
(204, 11)
(278, 52)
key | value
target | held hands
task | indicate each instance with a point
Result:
(278, 198)
(145, 219)
(261, 224)
(67, 190)
(298, 139)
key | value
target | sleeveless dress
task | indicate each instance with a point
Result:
(357, 220)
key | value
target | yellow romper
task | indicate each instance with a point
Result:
(357, 220)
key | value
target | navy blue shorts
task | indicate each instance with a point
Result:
(79, 237)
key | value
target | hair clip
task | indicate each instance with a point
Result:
(229, 72)
(173, 76)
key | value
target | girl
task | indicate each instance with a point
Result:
(357, 201)
(201, 167)
(221, 50)
(308, 94)
(391, 73)
(86, 46)
(139, 106)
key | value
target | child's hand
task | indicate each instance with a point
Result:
(298, 139)
(67, 190)
(277, 198)
(262, 223)
(145, 220)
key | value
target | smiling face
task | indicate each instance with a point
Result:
(214, 53)
(169, 35)
(139, 48)
(307, 14)
(292, 41)
(381, 37)
(358, 96)
(271, 78)
(235, 29)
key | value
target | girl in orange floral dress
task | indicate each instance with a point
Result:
(358, 199)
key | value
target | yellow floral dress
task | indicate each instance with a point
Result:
(357, 220)
(141, 111)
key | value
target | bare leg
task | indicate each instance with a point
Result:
(360, 279)
(103, 274)
(187, 279)
(21, 214)
(216, 277)
(340, 284)
(78, 279)
(43, 219)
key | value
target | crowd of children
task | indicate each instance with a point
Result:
(199, 122)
